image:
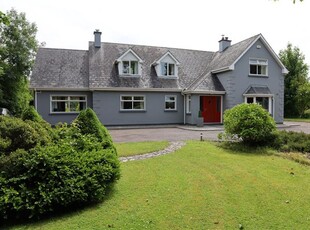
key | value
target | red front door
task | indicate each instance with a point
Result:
(210, 107)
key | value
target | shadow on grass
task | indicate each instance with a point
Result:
(243, 149)
(58, 213)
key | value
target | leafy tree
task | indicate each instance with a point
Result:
(18, 47)
(303, 99)
(294, 61)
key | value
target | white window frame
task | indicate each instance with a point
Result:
(129, 68)
(188, 104)
(132, 101)
(168, 68)
(258, 62)
(68, 100)
(167, 99)
(270, 101)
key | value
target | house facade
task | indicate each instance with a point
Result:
(145, 85)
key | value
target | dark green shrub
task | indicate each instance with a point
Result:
(88, 123)
(250, 123)
(54, 177)
(288, 141)
(17, 134)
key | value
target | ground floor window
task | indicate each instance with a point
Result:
(265, 102)
(67, 104)
(132, 103)
(170, 102)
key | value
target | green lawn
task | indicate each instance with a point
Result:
(298, 119)
(201, 186)
(135, 148)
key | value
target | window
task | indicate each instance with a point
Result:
(188, 104)
(170, 102)
(259, 67)
(67, 104)
(132, 102)
(265, 102)
(130, 67)
(167, 69)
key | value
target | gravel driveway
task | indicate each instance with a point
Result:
(181, 133)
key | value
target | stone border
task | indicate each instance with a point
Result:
(174, 145)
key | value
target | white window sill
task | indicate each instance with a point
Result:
(168, 77)
(62, 113)
(132, 110)
(258, 75)
(130, 75)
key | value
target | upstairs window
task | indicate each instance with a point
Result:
(258, 67)
(68, 104)
(168, 69)
(130, 67)
(170, 102)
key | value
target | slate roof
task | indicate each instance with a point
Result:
(96, 68)
(60, 68)
(258, 90)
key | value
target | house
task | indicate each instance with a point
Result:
(141, 85)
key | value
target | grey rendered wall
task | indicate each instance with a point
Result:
(107, 107)
(237, 81)
(43, 106)
(195, 107)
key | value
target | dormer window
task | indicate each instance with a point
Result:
(129, 64)
(130, 67)
(167, 69)
(167, 66)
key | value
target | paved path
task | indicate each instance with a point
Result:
(175, 145)
(182, 133)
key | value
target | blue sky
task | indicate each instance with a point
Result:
(195, 24)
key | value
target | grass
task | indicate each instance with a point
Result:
(136, 148)
(298, 119)
(201, 186)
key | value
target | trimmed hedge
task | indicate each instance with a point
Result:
(73, 170)
(289, 141)
(18, 134)
(250, 123)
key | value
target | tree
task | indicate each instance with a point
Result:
(18, 47)
(303, 99)
(294, 61)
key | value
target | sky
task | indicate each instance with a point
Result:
(194, 24)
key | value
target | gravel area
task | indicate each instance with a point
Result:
(175, 145)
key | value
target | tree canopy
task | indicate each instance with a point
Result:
(294, 61)
(18, 46)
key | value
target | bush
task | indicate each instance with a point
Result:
(17, 134)
(36, 178)
(292, 141)
(47, 179)
(250, 123)
(88, 123)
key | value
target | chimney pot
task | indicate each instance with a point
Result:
(97, 42)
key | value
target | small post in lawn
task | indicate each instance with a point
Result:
(201, 137)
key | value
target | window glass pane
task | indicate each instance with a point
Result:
(164, 68)
(54, 98)
(77, 98)
(138, 105)
(171, 69)
(126, 98)
(253, 69)
(263, 101)
(170, 105)
(126, 105)
(139, 98)
(262, 62)
(134, 67)
(58, 106)
(249, 100)
(74, 106)
(264, 70)
(126, 67)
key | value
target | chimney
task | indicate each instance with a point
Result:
(224, 43)
(97, 34)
